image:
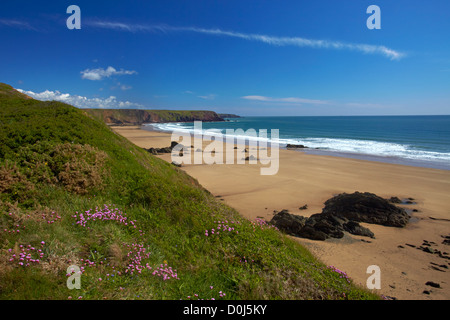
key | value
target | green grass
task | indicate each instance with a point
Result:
(57, 162)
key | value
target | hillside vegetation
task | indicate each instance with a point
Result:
(74, 193)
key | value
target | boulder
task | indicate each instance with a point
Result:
(295, 146)
(309, 232)
(331, 227)
(366, 207)
(395, 200)
(356, 229)
(289, 223)
(173, 144)
(251, 157)
(342, 213)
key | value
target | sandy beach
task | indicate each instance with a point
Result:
(312, 179)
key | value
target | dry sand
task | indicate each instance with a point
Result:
(312, 179)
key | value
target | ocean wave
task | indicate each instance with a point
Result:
(370, 147)
(353, 146)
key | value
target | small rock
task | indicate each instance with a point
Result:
(446, 240)
(250, 158)
(433, 284)
(439, 265)
(437, 269)
(427, 249)
(395, 200)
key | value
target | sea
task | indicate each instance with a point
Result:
(422, 141)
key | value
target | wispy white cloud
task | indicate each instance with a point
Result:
(100, 73)
(14, 23)
(121, 86)
(125, 87)
(208, 97)
(80, 101)
(271, 40)
(289, 100)
(364, 105)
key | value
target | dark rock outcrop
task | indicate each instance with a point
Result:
(156, 151)
(342, 213)
(366, 207)
(289, 223)
(356, 229)
(295, 146)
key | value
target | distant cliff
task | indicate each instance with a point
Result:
(138, 117)
(228, 115)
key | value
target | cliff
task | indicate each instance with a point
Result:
(228, 115)
(138, 117)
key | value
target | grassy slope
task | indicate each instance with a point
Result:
(56, 162)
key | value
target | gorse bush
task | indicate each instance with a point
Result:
(72, 192)
(77, 167)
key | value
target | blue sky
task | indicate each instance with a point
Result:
(246, 57)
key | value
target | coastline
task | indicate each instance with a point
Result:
(409, 160)
(312, 179)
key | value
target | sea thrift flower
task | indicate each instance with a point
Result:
(28, 255)
(103, 214)
(342, 274)
(262, 224)
(224, 226)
